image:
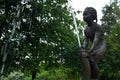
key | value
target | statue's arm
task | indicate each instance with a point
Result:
(95, 42)
(85, 43)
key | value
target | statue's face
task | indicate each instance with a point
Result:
(87, 17)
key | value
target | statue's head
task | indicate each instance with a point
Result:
(89, 14)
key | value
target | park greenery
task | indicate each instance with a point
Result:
(38, 41)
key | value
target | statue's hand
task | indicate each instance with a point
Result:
(90, 52)
(82, 52)
(81, 49)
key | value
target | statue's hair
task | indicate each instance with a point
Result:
(92, 11)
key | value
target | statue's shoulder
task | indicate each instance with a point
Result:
(98, 27)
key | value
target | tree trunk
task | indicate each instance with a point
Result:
(34, 74)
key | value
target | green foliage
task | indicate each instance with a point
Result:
(71, 58)
(110, 65)
(111, 16)
(35, 34)
(13, 76)
(54, 75)
(57, 74)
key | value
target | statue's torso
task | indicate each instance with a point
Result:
(91, 30)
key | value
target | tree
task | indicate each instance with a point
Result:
(110, 16)
(37, 34)
(8, 13)
(111, 21)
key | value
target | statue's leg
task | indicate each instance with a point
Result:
(85, 67)
(94, 69)
(95, 57)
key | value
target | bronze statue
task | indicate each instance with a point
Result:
(94, 34)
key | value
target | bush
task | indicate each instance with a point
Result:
(13, 76)
(58, 74)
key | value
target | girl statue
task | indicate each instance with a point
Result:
(95, 36)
